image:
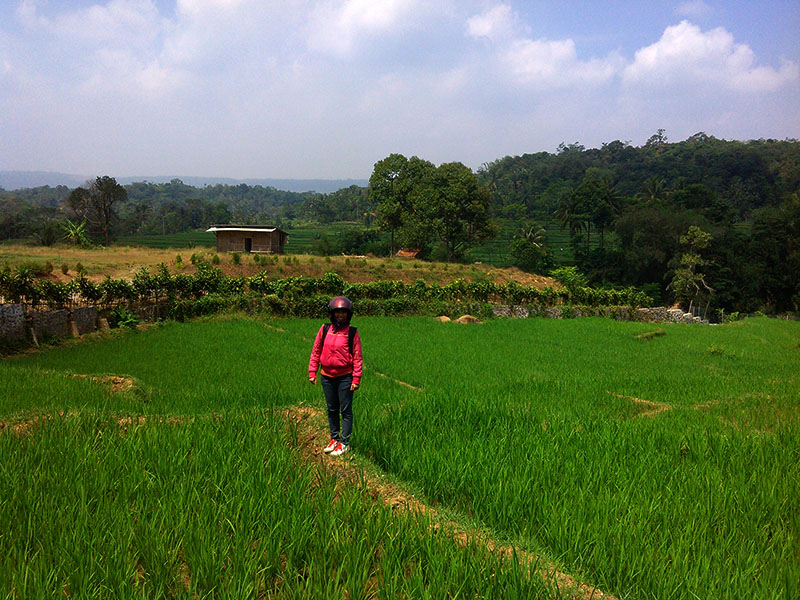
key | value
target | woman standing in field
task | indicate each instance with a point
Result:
(337, 355)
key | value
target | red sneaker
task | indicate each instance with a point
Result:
(330, 447)
(340, 449)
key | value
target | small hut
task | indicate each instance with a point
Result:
(249, 238)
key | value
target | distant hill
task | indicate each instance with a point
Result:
(14, 180)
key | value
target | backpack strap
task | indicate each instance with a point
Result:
(351, 335)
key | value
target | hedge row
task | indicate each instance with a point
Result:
(316, 306)
(209, 284)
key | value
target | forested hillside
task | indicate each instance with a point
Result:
(630, 210)
(704, 221)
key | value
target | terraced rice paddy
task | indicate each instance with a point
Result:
(644, 466)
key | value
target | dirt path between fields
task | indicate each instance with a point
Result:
(651, 408)
(312, 436)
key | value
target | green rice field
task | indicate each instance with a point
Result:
(187, 239)
(649, 461)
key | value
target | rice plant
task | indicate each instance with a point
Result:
(653, 465)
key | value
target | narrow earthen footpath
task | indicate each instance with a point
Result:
(311, 429)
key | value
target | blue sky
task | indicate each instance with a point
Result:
(324, 89)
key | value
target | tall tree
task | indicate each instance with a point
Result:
(457, 207)
(688, 283)
(529, 248)
(95, 204)
(388, 191)
(425, 203)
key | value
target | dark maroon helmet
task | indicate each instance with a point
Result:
(340, 303)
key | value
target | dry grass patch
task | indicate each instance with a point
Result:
(122, 262)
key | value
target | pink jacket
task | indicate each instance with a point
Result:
(335, 358)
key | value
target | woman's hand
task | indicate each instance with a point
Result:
(353, 387)
(313, 379)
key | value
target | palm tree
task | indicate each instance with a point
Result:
(570, 214)
(654, 190)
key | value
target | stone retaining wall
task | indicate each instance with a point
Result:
(17, 327)
(85, 318)
(12, 322)
(50, 324)
(658, 314)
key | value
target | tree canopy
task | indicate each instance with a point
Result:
(426, 204)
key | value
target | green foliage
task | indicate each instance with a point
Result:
(48, 234)
(569, 277)
(236, 258)
(75, 234)
(424, 204)
(529, 249)
(298, 296)
(121, 317)
(53, 294)
(95, 206)
(687, 283)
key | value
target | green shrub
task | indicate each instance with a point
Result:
(36, 268)
(121, 317)
(569, 277)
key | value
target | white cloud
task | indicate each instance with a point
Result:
(325, 88)
(496, 23)
(686, 55)
(337, 26)
(536, 64)
(132, 23)
(545, 64)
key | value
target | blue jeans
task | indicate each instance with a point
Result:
(339, 398)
